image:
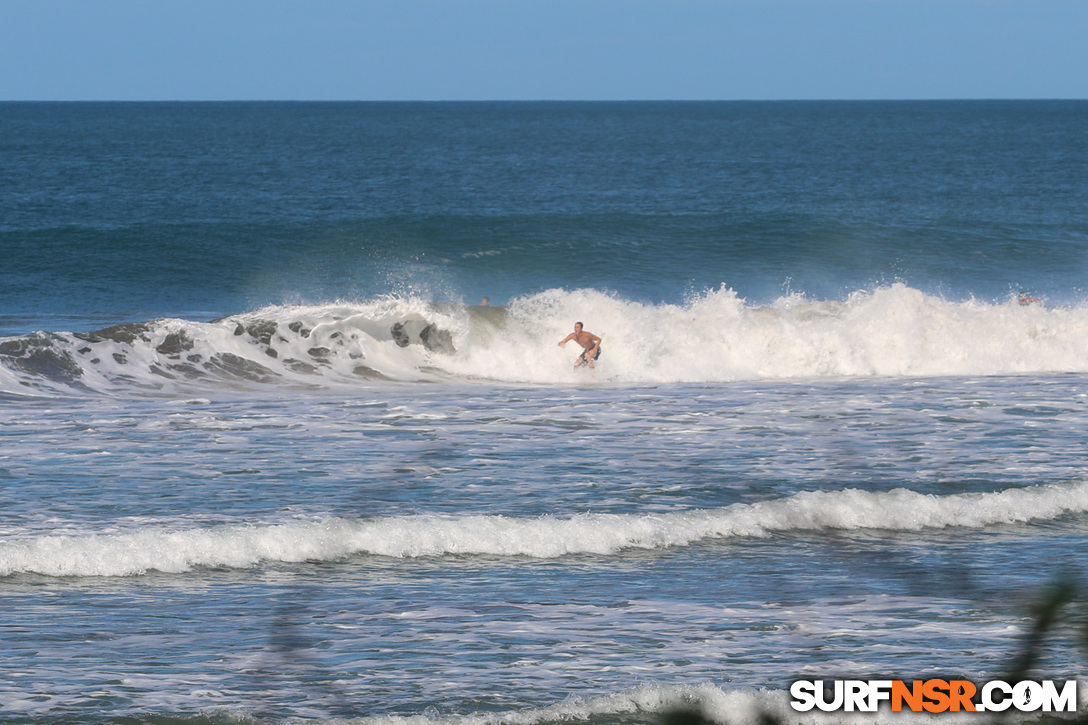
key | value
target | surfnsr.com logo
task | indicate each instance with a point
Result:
(933, 696)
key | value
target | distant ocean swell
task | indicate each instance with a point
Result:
(247, 546)
(715, 337)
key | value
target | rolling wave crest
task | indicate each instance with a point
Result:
(331, 539)
(893, 331)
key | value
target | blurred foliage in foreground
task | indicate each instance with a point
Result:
(1060, 611)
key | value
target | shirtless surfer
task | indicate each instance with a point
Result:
(588, 340)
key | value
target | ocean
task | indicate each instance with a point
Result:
(267, 456)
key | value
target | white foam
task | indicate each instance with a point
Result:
(715, 337)
(246, 546)
(717, 704)
(890, 331)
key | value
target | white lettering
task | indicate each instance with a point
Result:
(992, 705)
(1027, 696)
(1065, 701)
(878, 690)
(856, 696)
(994, 696)
(836, 701)
(804, 695)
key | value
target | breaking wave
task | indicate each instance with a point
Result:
(330, 539)
(649, 703)
(891, 331)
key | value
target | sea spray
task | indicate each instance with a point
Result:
(893, 331)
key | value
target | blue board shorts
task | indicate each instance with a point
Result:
(582, 357)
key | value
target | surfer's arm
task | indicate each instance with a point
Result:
(566, 339)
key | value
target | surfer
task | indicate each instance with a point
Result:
(587, 340)
(1025, 299)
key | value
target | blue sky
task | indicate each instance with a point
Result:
(542, 49)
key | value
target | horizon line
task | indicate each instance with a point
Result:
(981, 99)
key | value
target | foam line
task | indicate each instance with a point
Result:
(247, 546)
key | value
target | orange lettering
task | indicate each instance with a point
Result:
(913, 696)
(935, 691)
(961, 692)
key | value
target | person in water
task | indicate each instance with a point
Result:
(587, 340)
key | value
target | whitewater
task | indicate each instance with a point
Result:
(250, 546)
(844, 477)
(266, 457)
(716, 336)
